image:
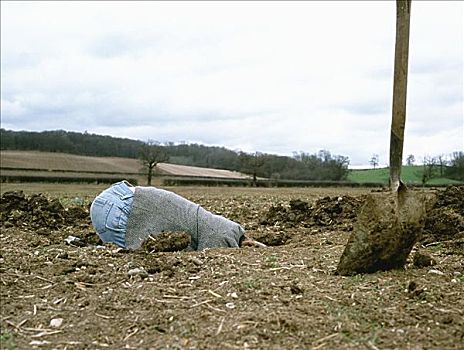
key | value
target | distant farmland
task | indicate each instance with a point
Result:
(23, 164)
(29, 166)
(66, 162)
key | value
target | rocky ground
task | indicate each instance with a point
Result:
(61, 289)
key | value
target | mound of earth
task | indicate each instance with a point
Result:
(328, 212)
(445, 220)
(166, 242)
(52, 221)
(38, 211)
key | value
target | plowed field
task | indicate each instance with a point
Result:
(58, 294)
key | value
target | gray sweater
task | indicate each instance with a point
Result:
(155, 210)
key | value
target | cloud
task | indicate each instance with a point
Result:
(276, 77)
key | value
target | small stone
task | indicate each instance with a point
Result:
(39, 342)
(138, 272)
(234, 295)
(75, 241)
(196, 261)
(131, 265)
(436, 272)
(56, 322)
(230, 305)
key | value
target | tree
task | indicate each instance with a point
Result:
(441, 162)
(429, 169)
(251, 164)
(455, 168)
(374, 160)
(339, 167)
(151, 153)
(324, 165)
(410, 160)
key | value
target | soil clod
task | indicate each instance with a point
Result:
(420, 260)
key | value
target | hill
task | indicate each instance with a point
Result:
(51, 161)
(49, 152)
(93, 145)
(48, 164)
(320, 166)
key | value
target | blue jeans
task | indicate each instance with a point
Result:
(110, 211)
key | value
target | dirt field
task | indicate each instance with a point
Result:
(24, 162)
(56, 295)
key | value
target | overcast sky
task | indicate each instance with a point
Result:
(275, 77)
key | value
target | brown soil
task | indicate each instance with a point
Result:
(56, 295)
(386, 228)
(445, 220)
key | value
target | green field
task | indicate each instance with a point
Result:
(410, 174)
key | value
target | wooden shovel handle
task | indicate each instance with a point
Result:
(400, 82)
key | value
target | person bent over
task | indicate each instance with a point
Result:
(126, 215)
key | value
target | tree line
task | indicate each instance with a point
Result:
(448, 166)
(302, 166)
(451, 167)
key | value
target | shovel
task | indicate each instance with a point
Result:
(390, 223)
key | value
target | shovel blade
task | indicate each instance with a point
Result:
(384, 233)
